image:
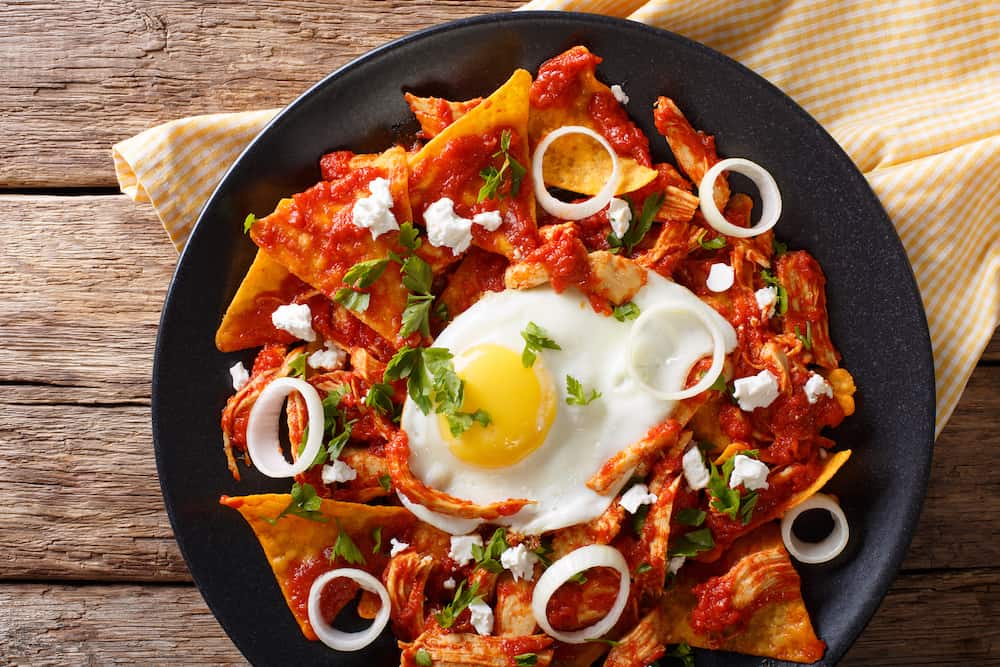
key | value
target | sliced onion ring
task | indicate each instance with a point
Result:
(770, 197)
(565, 210)
(263, 439)
(826, 549)
(718, 352)
(348, 641)
(584, 558)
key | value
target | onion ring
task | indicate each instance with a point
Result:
(557, 574)
(707, 380)
(348, 641)
(565, 210)
(263, 440)
(826, 549)
(770, 197)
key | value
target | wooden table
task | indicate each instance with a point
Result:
(89, 571)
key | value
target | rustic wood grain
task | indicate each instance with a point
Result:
(52, 624)
(992, 353)
(117, 67)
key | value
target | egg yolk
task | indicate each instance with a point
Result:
(520, 402)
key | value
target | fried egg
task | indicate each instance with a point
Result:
(539, 445)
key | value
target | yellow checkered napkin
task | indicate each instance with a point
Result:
(911, 90)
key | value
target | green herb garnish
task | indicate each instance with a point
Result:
(352, 300)
(344, 547)
(526, 660)
(487, 557)
(769, 279)
(626, 311)
(714, 244)
(463, 598)
(692, 543)
(807, 340)
(691, 516)
(305, 504)
(377, 538)
(640, 224)
(493, 177)
(423, 658)
(576, 395)
(363, 274)
(536, 339)
(248, 222)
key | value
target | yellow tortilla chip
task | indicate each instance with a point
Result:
(449, 165)
(778, 627)
(247, 322)
(833, 464)
(297, 549)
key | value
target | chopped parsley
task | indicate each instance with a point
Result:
(778, 247)
(640, 224)
(578, 578)
(691, 516)
(726, 500)
(639, 519)
(714, 244)
(536, 339)
(304, 503)
(769, 279)
(409, 236)
(344, 547)
(599, 640)
(377, 539)
(297, 366)
(363, 274)
(417, 278)
(460, 422)
(487, 557)
(643, 568)
(248, 222)
(379, 398)
(682, 653)
(493, 177)
(626, 311)
(423, 658)
(807, 340)
(575, 394)
(352, 299)
(692, 543)
(385, 481)
(526, 660)
(463, 598)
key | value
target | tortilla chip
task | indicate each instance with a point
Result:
(779, 626)
(298, 549)
(247, 322)
(833, 464)
(578, 163)
(435, 114)
(449, 165)
(314, 236)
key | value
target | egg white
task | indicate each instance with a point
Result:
(581, 438)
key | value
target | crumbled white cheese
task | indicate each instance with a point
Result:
(240, 375)
(374, 213)
(448, 584)
(461, 547)
(482, 617)
(330, 359)
(338, 472)
(817, 386)
(447, 228)
(695, 471)
(490, 220)
(619, 93)
(397, 547)
(296, 319)
(720, 277)
(756, 391)
(637, 495)
(619, 216)
(520, 562)
(749, 472)
(766, 298)
(675, 563)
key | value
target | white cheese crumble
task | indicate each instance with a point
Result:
(675, 564)
(756, 391)
(695, 471)
(448, 584)
(720, 277)
(447, 228)
(338, 472)
(397, 547)
(749, 472)
(637, 495)
(482, 617)
(461, 547)
(520, 562)
(374, 213)
(330, 359)
(619, 216)
(240, 375)
(766, 298)
(296, 319)
(817, 386)
(619, 93)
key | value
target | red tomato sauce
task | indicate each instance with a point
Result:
(618, 128)
(558, 81)
(595, 597)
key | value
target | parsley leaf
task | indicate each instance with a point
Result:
(417, 275)
(614, 243)
(305, 504)
(416, 316)
(691, 516)
(460, 422)
(599, 640)
(692, 543)
(377, 539)
(720, 384)
(746, 508)
(769, 279)
(379, 398)
(344, 547)
(778, 247)
(681, 652)
(297, 366)
(423, 658)
(807, 340)
(714, 244)
(536, 339)
(409, 236)
(487, 556)
(526, 660)
(363, 274)
(248, 222)
(578, 578)
(432, 382)
(643, 568)
(723, 499)
(441, 311)
(493, 177)
(463, 598)
(576, 395)
(640, 224)
(626, 311)
(639, 519)
(356, 301)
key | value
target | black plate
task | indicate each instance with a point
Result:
(875, 310)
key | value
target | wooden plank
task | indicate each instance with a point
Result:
(927, 619)
(83, 407)
(116, 68)
(992, 353)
